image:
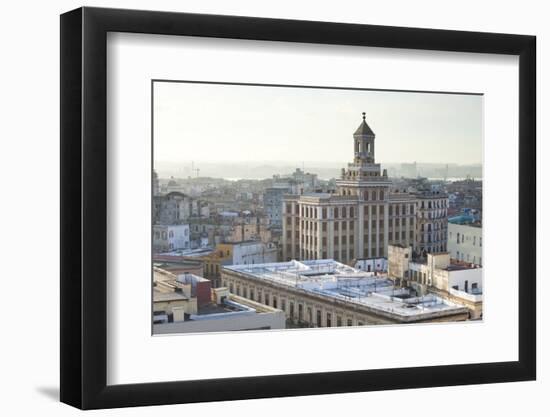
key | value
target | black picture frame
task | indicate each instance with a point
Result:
(84, 207)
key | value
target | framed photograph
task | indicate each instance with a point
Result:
(260, 208)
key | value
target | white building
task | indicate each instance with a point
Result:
(253, 252)
(170, 237)
(372, 264)
(326, 293)
(458, 282)
(465, 242)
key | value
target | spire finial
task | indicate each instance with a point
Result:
(364, 115)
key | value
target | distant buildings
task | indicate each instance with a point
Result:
(170, 237)
(364, 216)
(326, 293)
(187, 303)
(273, 205)
(177, 208)
(298, 182)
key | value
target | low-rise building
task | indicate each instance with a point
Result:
(177, 208)
(187, 304)
(458, 282)
(231, 253)
(178, 264)
(170, 237)
(326, 293)
(372, 264)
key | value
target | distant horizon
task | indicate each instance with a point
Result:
(267, 169)
(299, 163)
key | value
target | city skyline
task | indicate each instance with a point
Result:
(378, 244)
(230, 123)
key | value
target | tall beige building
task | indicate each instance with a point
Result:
(363, 216)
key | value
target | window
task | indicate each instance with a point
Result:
(318, 318)
(283, 305)
(274, 302)
(350, 322)
(329, 320)
(338, 321)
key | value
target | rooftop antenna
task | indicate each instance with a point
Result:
(364, 115)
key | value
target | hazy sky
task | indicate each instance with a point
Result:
(206, 122)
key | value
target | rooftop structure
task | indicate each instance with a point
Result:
(456, 281)
(331, 281)
(186, 303)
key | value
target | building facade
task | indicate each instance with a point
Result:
(177, 208)
(169, 238)
(457, 282)
(364, 216)
(465, 242)
(273, 205)
(326, 293)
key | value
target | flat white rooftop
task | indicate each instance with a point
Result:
(333, 279)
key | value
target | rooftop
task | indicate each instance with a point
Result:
(364, 128)
(332, 279)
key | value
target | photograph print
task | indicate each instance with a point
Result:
(291, 207)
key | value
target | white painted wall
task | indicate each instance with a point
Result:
(471, 275)
(254, 253)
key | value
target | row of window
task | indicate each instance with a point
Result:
(168, 235)
(429, 204)
(460, 238)
(300, 313)
(468, 258)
